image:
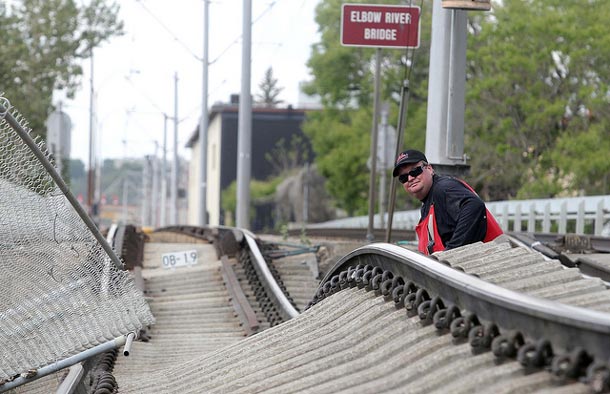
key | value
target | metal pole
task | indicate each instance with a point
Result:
(446, 92)
(125, 199)
(155, 188)
(306, 195)
(384, 173)
(90, 173)
(173, 211)
(244, 138)
(369, 234)
(164, 175)
(404, 99)
(97, 188)
(27, 139)
(203, 124)
(145, 193)
(456, 80)
(60, 124)
(66, 362)
(128, 342)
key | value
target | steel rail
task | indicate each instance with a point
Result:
(564, 325)
(69, 385)
(593, 242)
(240, 303)
(286, 309)
(548, 244)
(354, 233)
(78, 371)
(66, 362)
(593, 268)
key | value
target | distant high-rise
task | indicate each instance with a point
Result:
(59, 135)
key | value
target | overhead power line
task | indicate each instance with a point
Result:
(160, 22)
(186, 47)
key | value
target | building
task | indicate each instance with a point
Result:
(59, 137)
(270, 125)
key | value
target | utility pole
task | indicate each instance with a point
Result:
(155, 188)
(164, 175)
(384, 163)
(445, 124)
(125, 195)
(173, 210)
(203, 124)
(370, 236)
(145, 194)
(90, 172)
(244, 138)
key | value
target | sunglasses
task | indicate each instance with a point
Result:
(414, 173)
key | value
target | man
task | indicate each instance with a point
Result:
(452, 214)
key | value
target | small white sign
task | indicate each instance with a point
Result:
(179, 259)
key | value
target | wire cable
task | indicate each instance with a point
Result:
(160, 22)
(410, 62)
(183, 45)
(238, 38)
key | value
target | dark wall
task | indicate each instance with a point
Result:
(267, 129)
(228, 155)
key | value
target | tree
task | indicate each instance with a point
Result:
(77, 177)
(43, 44)
(537, 98)
(344, 79)
(269, 90)
(259, 191)
(537, 117)
(286, 157)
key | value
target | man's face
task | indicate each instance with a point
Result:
(420, 184)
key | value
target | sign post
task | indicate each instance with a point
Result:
(377, 26)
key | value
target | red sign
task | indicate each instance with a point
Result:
(369, 25)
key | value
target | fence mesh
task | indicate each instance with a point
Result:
(60, 293)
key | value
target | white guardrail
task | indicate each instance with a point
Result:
(577, 215)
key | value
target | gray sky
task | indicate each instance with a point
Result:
(134, 74)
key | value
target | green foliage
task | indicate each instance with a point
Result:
(303, 237)
(342, 149)
(583, 159)
(43, 43)
(537, 119)
(344, 79)
(284, 232)
(77, 177)
(286, 157)
(259, 191)
(269, 90)
(536, 71)
(229, 197)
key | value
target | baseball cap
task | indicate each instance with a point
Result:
(407, 157)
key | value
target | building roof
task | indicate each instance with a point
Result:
(218, 109)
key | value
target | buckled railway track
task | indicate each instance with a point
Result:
(496, 317)
(572, 250)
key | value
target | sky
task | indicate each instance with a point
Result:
(134, 75)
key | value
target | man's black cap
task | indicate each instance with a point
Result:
(407, 157)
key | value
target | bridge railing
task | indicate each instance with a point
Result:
(578, 215)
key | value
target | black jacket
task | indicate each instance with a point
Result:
(460, 213)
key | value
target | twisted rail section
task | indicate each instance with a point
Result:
(233, 242)
(570, 341)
